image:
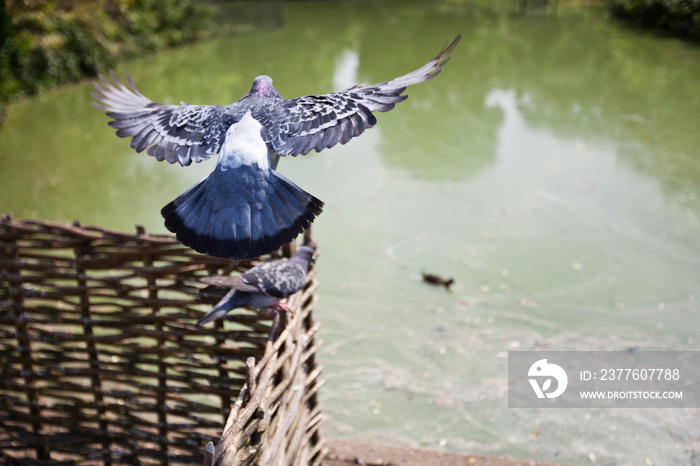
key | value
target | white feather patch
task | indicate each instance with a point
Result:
(243, 145)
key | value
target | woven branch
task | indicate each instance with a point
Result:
(102, 362)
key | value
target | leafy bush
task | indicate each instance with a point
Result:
(48, 42)
(678, 17)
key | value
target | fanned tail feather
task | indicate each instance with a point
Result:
(240, 230)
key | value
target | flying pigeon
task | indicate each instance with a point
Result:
(245, 207)
(261, 287)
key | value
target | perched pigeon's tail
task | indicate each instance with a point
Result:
(204, 221)
(231, 300)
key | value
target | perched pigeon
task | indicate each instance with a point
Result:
(245, 208)
(261, 287)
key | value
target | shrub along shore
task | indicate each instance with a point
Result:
(679, 18)
(48, 42)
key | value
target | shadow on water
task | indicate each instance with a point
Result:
(551, 170)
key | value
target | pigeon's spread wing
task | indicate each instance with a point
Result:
(317, 122)
(176, 133)
(278, 279)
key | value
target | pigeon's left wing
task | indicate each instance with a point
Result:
(176, 133)
(278, 279)
(234, 282)
(317, 122)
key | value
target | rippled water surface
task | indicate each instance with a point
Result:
(552, 170)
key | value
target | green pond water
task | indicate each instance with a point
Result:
(552, 170)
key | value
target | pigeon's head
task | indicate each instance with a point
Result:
(262, 87)
(304, 254)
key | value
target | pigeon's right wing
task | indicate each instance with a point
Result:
(176, 133)
(277, 279)
(317, 122)
(233, 282)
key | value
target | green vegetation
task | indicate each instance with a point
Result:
(680, 18)
(49, 42)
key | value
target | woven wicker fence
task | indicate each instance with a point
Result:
(102, 363)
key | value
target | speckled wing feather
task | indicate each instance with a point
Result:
(278, 279)
(233, 282)
(317, 122)
(176, 133)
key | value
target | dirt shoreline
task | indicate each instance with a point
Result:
(346, 452)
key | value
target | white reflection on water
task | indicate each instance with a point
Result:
(345, 74)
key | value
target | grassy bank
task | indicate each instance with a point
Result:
(49, 42)
(680, 18)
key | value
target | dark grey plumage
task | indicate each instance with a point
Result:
(261, 287)
(245, 208)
